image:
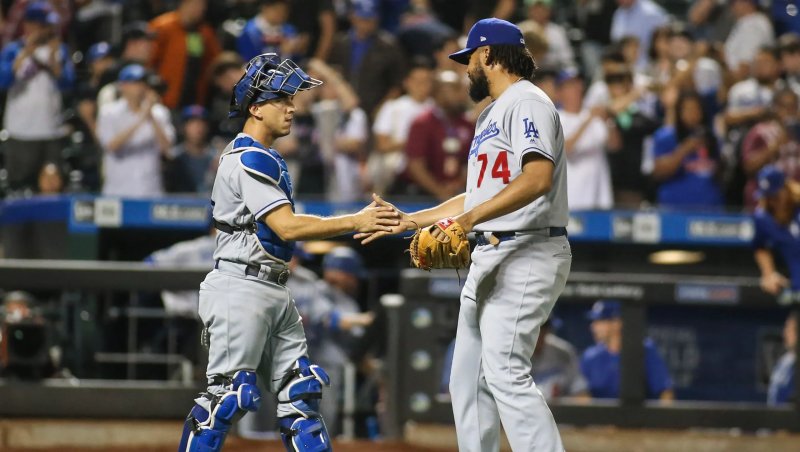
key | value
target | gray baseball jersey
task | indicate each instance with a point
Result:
(242, 195)
(252, 323)
(522, 120)
(512, 285)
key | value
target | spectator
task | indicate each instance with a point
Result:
(781, 382)
(585, 141)
(711, 20)
(637, 18)
(789, 46)
(331, 318)
(184, 49)
(421, 32)
(687, 158)
(50, 180)
(594, 17)
(784, 16)
(99, 60)
(748, 100)
(535, 39)
(775, 222)
(660, 65)
(631, 108)
(192, 162)
(559, 49)
(137, 48)
(693, 67)
(225, 71)
(268, 32)
(197, 253)
(371, 60)
(773, 141)
(14, 22)
(600, 362)
(135, 132)
(34, 72)
(438, 142)
(546, 81)
(350, 134)
(442, 52)
(392, 125)
(610, 61)
(556, 370)
(316, 25)
(751, 31)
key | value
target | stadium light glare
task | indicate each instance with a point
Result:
(676, 257)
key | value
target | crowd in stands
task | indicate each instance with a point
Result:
(675, 104)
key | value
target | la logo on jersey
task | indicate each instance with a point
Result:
(531, 132)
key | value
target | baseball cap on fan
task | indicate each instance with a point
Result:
(487, 32)
(365, 9)
(41, 12)
(770, 181)
(605, 310)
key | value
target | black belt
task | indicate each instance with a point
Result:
(510, 235)
(274, 276)
(228, 229)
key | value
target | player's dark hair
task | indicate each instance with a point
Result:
(517, 60)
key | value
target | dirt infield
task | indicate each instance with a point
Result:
(239, 445)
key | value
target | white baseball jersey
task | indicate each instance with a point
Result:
(522, 120)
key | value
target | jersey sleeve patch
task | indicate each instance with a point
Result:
(261, 165)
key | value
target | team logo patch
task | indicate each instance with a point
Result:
(531, 132)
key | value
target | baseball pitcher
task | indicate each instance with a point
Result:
(516, 203)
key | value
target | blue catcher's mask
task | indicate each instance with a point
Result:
(267, 78)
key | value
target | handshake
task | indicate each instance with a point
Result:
(442, 244)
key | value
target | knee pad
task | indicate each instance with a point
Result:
(302, 390)
(206, 427)
(305, 435)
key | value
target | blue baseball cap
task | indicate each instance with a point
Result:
(344, 259)
(487, 32)
(194, 112)
(41, 12)
(366, 9)
(132, 73)
(99, 50)
(605, 310)
(566, 75)
(770, 180)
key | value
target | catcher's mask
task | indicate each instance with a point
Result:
(267, 77)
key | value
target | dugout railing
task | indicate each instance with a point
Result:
(413, 387)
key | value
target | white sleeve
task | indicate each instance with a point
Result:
(104, 127)
(383, 121)
(164, 119)
(533, 127)
(356, 126)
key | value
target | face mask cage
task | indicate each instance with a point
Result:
(267, 77)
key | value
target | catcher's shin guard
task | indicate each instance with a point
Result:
(205, 429)
(304, 431)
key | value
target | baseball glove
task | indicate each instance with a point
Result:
(428, 252)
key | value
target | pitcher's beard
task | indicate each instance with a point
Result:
(478, 85)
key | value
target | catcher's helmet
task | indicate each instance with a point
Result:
(266, 78)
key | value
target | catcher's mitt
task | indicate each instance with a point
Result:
(428, 252)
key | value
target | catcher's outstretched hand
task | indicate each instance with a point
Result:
(404, 223)
(374, 218)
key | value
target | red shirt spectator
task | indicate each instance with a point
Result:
(440, 143)
(185, 47)
(774, 141)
